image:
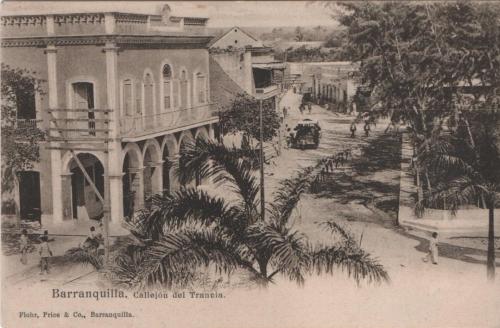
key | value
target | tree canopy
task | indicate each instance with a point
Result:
(418, 57)
(20, 142)
(243, 116)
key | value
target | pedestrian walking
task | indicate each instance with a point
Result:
(325, 165)
(309, 107)
(24, 245)
(341, 159)
(367, 129)
(432, 253)
(302, 108)
(285, 112)
(45, 254)
(289, 138)
(346, 154)
(353, 129)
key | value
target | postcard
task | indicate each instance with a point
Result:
(221, 164)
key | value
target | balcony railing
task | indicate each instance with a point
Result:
(267, 92)
(79, 124)
(134, 126)
(23, 123)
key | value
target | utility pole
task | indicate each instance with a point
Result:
(107, 202)
(262, 196)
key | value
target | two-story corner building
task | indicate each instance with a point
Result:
(249, 63)
(123, 94)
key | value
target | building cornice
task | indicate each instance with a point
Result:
(95, 17)
(123, 41)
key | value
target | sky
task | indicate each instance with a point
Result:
(221, 13)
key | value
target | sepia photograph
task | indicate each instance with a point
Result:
(251, 164)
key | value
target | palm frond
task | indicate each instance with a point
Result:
(185, 251)
(337, 229)
(125, 266)
(82, 256)
(207, 158)
(243, 182)
(188, 205)
(288, 196)
(462, 190)
(357, 263)
(288, 250)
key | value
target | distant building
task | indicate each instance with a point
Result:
(124, 93)
(248, 63)
(327, 81)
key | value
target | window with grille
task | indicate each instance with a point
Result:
(128, 101)
(167, 80)
(184, 89)
(201, 88)
(138, 98)
(148, 95)
(25, 101)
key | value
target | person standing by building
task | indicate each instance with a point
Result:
(45, 253)
(353, 109)
(24, 245)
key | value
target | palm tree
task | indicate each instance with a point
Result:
(474, 157)
(190, 228)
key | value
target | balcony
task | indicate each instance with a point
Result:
(267, 92)
(24, 123)
(79, 126)
(134, 128)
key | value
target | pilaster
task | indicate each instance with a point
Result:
(114, 165)
(110, 23)
(50, 25)
(55, 155)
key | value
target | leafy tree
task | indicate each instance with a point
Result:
(299, 36)
(20, 142)
(189, 229)
(422, 62)
(243, 116)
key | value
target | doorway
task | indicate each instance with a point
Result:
(84, 99)
(85, 203)
(29, 195)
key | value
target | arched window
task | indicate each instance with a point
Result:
(167, 81)
(148, 94)
(128, 101)
(201, 88)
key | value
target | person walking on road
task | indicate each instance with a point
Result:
(353, 129)
(284, 112)
(432, 253)
(367, 129)
(309, 107)
(24, 245)
(45, 253)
